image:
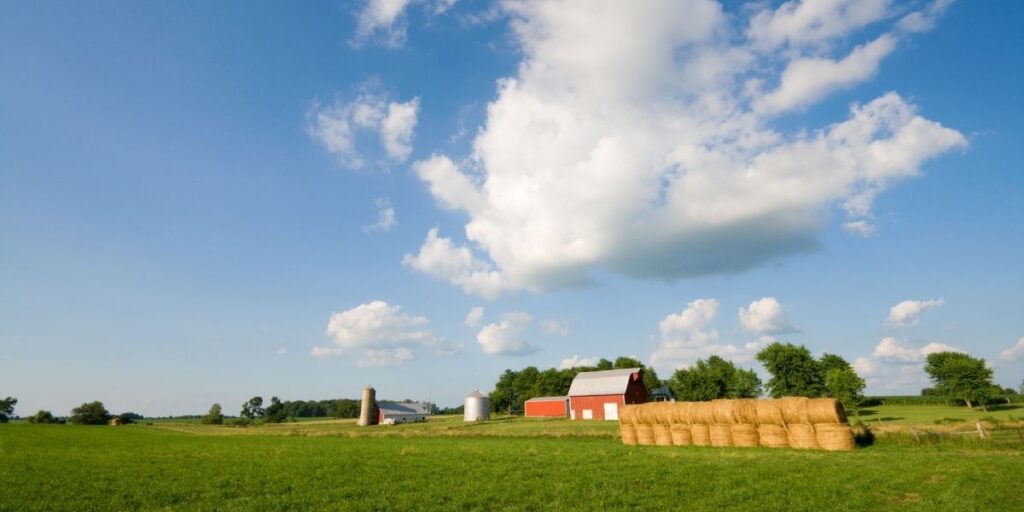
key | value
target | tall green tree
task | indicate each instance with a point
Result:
(845, 385)
(714, 378)
(90, 413)
(43, 417)
(253, 409)
(794, 371)
(961, 376)
(275, 412)
(7, 408)
(215, 416)
(829, 362)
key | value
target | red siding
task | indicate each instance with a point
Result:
(546, 409)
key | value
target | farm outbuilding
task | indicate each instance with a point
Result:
(477, 407)
(391, 413)
(599, 395)
(547, 407)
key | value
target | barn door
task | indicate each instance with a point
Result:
(611, 411)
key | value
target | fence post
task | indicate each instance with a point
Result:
(981, 430)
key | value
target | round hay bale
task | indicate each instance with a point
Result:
(662, 435)
(721, 434)
(700, 412)
(745, 410)
(801, 435)
(681, 413)
(628, 432)
(722, 410)
(825, 410)
(681, 435)
(772, 436)
(700, 434)
(663, 412)
(644, 435)
(794, 409)
(640, 415)
(834, 437)
(626, 415)
(744, 435)
(769, 412)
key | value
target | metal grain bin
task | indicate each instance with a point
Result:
(478, 407)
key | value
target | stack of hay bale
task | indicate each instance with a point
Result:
(794, 422)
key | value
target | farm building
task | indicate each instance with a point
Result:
(598, 395)
(547, 407)
(390, 413)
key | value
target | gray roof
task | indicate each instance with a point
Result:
(476, 394)
(398, 408)
(606, 382)
(548, 399)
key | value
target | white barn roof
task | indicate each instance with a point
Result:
(606, 382)
(397, 408)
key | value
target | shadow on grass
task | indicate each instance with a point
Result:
(1004, 407)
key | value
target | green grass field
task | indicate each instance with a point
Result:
(510, 464)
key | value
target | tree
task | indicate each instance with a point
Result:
(794, 371)
(845, 385)
(275, 412)
(43, 417)
(129, 417)
(651, 380)
(831, 362)
(7, 408)
(714, 378)
(961, 376)
(214, 416)
(90, 413)
(253, 408)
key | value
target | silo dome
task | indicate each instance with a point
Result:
(478, 407)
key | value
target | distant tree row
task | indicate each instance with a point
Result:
(516, 387)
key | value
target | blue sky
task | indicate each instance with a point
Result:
(194, 196)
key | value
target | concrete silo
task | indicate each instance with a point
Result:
(368, 410)
(478, 407)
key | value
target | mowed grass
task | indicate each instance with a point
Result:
(510, 465)
(930, 414)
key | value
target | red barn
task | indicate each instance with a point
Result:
(598, 395)
(547, 407)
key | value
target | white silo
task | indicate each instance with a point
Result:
(368, 409)
(478, 407)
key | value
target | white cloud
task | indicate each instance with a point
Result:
(896, 366)
(385, 216)
(383, 22)
(381, 332)
(812, 22)
(474, 317)
(859, 227)
(506, 337)
(647, 153)
(1013, 353)
(908, 312)
(576, 361)
(337, 126)
(688, 336)
(807, 80)
(556, 327)
(925, 19)
(765, 316)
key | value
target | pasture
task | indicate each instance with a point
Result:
(507, 464)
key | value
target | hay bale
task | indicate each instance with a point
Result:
(834, 437)
(681, 435)
(663, 412)
(700, 434)
(769, 412)
(722, 411)
(801, 435)
(721, 434)
(825, 410)
(681, 412)
(772, 436)
(745, 410)
(626, 415)
(794, 409)
(662, 435)
(744, 435)
(628, 432)
(644, 435)
(640, 415)
(700, 412)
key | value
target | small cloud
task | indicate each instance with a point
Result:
(337, 126)
(576, 361)
(908, 312)
(381, 331)
(859, 227)
(506, 337)
(385, 217)
(1013, 353)
(382, 358)
(556, 327)
(474, 317)
(765, 316)
(381, 22)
